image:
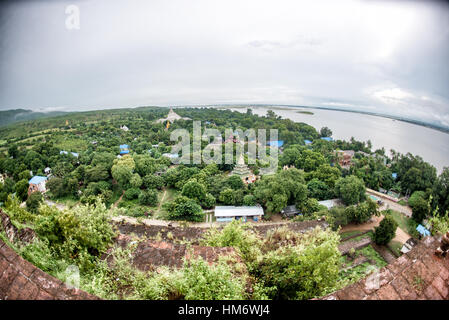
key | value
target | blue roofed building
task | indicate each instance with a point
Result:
(277, 144)
(307, 142)
(37, 183)
(327, 139)
(394, 175)
(124, 149)
(422, 230)
(76, 155)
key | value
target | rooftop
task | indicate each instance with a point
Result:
(241, 211)
(37, 179)
(278, 143)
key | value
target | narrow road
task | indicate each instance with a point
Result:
(390, 204)
(57, 205)
(401, 236)
(119, 199)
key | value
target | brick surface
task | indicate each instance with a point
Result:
(7, 278)
(440, 285)
(403, 288)
(417, 275)
(16, 287)
(353, 292)
(20, 280)
(387, 292)
(432, 294)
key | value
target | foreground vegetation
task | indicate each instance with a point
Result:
(96, 184)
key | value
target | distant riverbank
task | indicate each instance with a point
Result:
(288, 107)
(383, 132)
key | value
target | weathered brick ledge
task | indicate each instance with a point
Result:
(21, 280)
(416, 275)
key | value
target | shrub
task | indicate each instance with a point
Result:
(132, 193)
(238, 235)
(153, 182)
(209, 201)
(249, 200)
(385, 231)
(183, 208)
(194, 190)
(34, 200)
(350, 189)
(304, 270)
(148, 198)
(420, 209)
(337, 216)
(81, 233)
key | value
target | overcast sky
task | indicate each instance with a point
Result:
(384, 56)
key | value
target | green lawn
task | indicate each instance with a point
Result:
(346, 234)
(395, 247)
(405, 223)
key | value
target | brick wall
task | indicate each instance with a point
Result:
(416, 275)
(20, 280)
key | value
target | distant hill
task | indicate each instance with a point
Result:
(16, 115)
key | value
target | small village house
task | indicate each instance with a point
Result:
(37, 183)
(229, 213)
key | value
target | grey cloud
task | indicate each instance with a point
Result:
(132, 53)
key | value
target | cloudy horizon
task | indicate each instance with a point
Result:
(376, 56)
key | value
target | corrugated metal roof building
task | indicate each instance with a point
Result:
(228, 213)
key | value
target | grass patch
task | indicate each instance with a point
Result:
(369, 234)
(405, 223)
(402, 202)
(373, 255)
(395, 247)
(347, 234)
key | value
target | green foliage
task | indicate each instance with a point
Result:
(209, 201)
(132, 193)
(325, 132)
(183, 208)
(304, 270)
(420, 209)
(249, 200)
(416, 197)
(318, 189)
(135, 181)
(235, 182)
(441, 192)
(238, 235)
(21, 188)
(34, 201)
(196, 280)
(362, 212)
(439, 223)
(153, 182)
(227, 196)
(204, 282)
(148, 197)
(194, 190)
(385, 231)
(350, 189)
(278, 190)
(81, 234)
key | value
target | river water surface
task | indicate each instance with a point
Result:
(432, 145)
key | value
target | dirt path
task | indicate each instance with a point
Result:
(401, 236)
(162, 200)
(390, 204)
(119, 199)
(57, 205)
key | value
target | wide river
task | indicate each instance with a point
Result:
(432, 145)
